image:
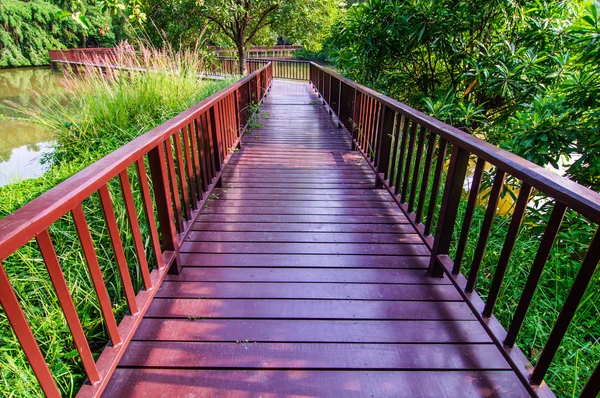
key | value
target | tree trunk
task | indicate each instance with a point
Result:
(242, 59)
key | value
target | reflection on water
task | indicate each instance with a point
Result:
(23, 143)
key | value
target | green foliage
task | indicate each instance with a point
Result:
(242, 24)
(28, 29)
(522, 75)
(99, 116)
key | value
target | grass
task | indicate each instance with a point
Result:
(99, 115)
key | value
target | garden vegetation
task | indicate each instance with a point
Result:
(97, 116)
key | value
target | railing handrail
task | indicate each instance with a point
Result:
(258, 48)
(578, 197)
(23, 224)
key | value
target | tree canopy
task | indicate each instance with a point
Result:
(28, 29)
(242, 23)
(523, 75)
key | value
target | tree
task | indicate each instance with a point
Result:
(28, 29)
(303, 22)
(522, 75)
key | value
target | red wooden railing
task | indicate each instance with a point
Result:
(280, 51)
(408, 151)
(282, 68)
(83, 55)
(185, 155)
(224, 66)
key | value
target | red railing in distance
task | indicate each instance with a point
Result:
(279, 51)
(282, 68)
(408, 150)
(84, 55)
(184, 157)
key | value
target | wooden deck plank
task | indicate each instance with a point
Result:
(192, 355)
(150, 383)
(381, 249)
(315, 237)
(305, 275)
(233, 203)
(316, 290)
(301, 218)
(302, 260)
(311, 331)
(304, 227)
(301, 277)
(310, 309)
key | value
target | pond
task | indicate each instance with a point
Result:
(22, 143)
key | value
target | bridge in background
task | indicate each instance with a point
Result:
(305, 255)
(224, 65)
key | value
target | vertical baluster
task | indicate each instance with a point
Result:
(409, 160)
(87, 246)
(582, 281)
(174, 186)
(376, 132)
(384, 146)
(484, 234)
(468, 218)
(417, 170)
(208, 145)
(435, 186)
(395, 149)
(425, 179)
(592, 387)
(370, 133)
(183, 177)
(214, 127)
(19, 324)
(135, 228)
(238, 123)
(68, 307)
(117, 245)
(450, 201)
(202, 157)
(356, 111)
(535, 273)
(149, 211)
(166, 219)
(403, 142)
(346, 105)
(509, 243)
(222, 129)
(362, 124)
(369, 128)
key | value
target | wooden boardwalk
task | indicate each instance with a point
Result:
(302, 278)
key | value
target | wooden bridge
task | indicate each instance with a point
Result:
(296, 254)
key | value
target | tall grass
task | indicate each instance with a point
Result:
(100, 114)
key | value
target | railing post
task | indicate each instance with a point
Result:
(164, 207)
(384, 144)
(448, 212)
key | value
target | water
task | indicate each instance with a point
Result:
(22, 143)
